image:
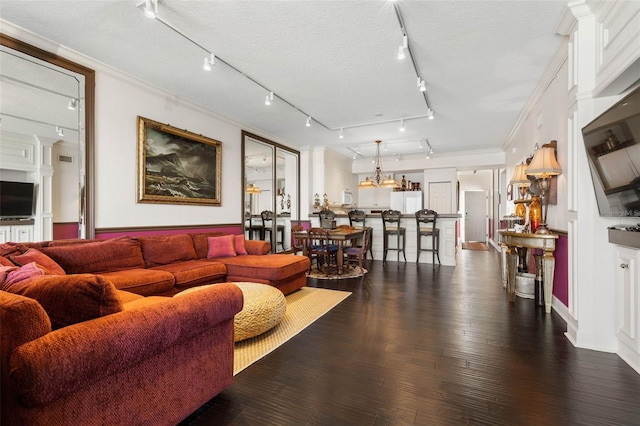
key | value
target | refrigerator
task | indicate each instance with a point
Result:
(408, 202)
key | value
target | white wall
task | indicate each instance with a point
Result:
(565, 101)
(116, 154)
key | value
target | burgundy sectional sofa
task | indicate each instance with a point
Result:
(97, 340)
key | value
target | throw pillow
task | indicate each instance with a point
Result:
(70, 299)
(5, 262)
(33, 255)
(22, 273)
(221, 247)
(4, 271)
(239, 245)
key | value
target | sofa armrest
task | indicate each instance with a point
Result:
(61, 362)
(258, 247)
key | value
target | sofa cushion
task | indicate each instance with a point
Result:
(257, 247)
(7, 249)
(142, 281)
(110, 255)
(70, 299)
(194, 272)
(201, 244)
(223, 246)
(238, 242)
(161, 250)
(272, 267)
(5, 262)
(33, 255)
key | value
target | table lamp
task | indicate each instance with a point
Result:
(543, 167)
(520, 178)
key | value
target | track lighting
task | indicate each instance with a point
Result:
(268, 99)
(403, 47)
(151, 8)
(402, 124)
(209, 62)
(59, 131)
(73, 104)
(430, 114)
(423, 86)
(308, 122)
(264, 159)
(342, 136)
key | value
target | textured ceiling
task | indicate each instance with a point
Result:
(333, 60)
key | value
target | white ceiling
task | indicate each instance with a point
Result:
(333, 60)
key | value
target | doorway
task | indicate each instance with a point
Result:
(475, 216)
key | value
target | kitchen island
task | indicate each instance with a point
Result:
(447, 223)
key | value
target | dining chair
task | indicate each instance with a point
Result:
(358, 218)
(267, 226)
(320, 248)
(296, 244)
(327, 218)
(358, 253)
(426, 227)
(391, 227)
(251, 228)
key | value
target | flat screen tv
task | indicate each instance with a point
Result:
(17, 199)
(612, 142)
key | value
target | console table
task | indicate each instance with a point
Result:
(547, 242)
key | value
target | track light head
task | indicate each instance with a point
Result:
(423, 86)
(308, 124)
(59, 131)
(209, 62)
(268, 99)
(401, 54)
(73, 104)
(402, 125)
(341, 134)
(151, 8)
(430, 114)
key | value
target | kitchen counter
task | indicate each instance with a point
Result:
(447, 223)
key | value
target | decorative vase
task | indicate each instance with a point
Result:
(535, 213)
(521, 211)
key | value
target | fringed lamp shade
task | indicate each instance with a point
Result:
(544, 164)
(520, 176)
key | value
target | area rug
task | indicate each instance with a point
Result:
(475, 246)
(351, 272)
(303, 308)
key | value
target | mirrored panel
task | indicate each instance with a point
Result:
(47, 115)
(270, 201)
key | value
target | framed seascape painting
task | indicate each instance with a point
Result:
(176, 166)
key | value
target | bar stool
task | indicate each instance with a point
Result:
(426, 227)
(390, 227)
(267, 226)
(358, 216)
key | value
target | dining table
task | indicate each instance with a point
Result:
(338, 235)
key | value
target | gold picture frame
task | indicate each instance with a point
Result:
(176, 166)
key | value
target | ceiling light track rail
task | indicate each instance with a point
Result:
(421, 83)
(31, 120)
(270, 93)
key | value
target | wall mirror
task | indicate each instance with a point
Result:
(48, 101)
(271, 183)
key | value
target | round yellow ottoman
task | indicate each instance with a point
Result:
(264, 307)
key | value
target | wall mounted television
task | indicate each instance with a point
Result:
(612, 142)
(17, 199)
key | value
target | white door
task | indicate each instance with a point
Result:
(440, 197)
(475, 215)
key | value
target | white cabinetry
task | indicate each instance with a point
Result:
(628, 304)
(16, 233)
(378, 198)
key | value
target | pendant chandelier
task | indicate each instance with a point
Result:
(378, 177)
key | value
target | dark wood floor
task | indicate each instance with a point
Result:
(417, 345)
